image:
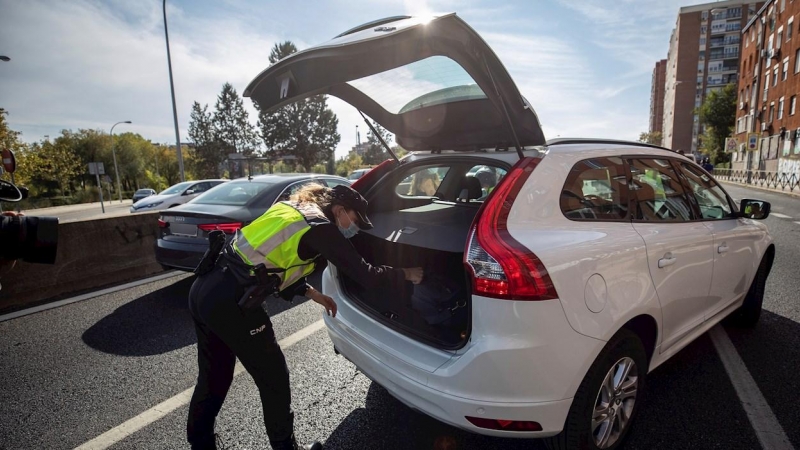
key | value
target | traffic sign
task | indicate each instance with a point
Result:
(730, 144)
(96, 168)
(752, 141)
(9, 162)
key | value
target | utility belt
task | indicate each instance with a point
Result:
(257, 281)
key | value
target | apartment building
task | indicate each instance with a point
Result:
(657, 97)
(703, 56)
(767, 116)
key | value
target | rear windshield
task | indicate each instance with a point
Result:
(426, 82)
(232, 193)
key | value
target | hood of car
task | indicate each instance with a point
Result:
(433, 82)
(153, 199)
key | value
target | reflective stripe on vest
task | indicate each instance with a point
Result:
(273, 239)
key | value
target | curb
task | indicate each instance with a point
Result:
(760, 188)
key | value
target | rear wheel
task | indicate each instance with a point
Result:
(748, 314)
(608, 398)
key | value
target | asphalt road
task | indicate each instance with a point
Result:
(71, 374)
(86, 211)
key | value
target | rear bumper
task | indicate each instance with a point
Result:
(181, 256)
(444, 407)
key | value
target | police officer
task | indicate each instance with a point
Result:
(272, 255)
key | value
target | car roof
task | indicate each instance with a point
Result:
(286, 177)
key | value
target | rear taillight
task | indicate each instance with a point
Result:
(501, 266)
(368, 179)
(227, 228)
(162, 223)
(504, 425)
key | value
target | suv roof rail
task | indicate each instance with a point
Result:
(565, 141)
(374, 23)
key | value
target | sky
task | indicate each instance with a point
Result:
(584, 65)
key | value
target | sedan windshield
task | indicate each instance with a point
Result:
(177, 189)
(235, 193)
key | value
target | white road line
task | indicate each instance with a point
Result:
(768, 430)
(45, 307)
(157, 412)
(782, 216)
(797, 223)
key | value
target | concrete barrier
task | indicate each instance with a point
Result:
(91, 254)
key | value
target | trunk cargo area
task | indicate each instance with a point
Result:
(436, 311)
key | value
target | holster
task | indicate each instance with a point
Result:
(257, 281)
(216, 241)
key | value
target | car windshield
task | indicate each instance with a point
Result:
(177, 189)
(235, 193)
(426, 82)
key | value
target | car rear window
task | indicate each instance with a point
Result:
(235, 193)
(596, 190)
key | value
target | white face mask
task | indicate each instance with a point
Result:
(348, 232)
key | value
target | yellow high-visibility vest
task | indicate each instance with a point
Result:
(273, 238)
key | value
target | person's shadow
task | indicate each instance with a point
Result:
(159, 321)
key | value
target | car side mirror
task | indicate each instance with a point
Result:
(189, 192)
(754, 209)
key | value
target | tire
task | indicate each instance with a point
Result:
(748, 314)
(579, 433)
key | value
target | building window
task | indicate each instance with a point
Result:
(785, 69)
(771, 111)
(780, 38)
(775, 77)
(783, 5)
(789, 29)
(792, 105)
(780, 109)
(704, 15)
(797, 61)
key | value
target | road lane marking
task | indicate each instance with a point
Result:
(782, 216)
(80, 298)
(157, 412)
(766, 426)
(797, 223)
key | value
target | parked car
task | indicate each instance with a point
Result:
(546, 303)
(174, 195)
(183, 230)
(358, 173)
(143, 193)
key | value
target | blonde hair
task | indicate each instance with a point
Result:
(313, 193)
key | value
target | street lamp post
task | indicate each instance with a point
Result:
(172, 89)
(114, 154)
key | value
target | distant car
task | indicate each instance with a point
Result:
(358, 173)
(183, 236)
(174, 195)
(143, 193)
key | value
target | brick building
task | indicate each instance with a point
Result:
(703, 56)
(657, 97)
(767, 108)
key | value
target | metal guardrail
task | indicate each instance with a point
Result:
(771, 180)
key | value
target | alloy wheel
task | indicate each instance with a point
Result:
(614, 404)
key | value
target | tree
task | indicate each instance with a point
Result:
(376, 153)
(55, 163)
(718, 115)
(654, 138)
(231, 123)
(348, 164)
(209, 152)
(10, 139)
(306, 129)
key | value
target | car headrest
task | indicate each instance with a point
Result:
(470, 189)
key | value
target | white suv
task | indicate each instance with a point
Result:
(557, 273)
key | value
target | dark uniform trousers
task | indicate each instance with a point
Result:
(226, 332)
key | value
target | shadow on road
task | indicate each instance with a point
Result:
(160, 322)
(771, 352)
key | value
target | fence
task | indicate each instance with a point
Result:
(788, 182)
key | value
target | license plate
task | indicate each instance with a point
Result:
(183, 229)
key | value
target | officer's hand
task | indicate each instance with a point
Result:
(322, 299)
(414, 275)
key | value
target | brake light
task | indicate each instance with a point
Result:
(501, 266)
(227, 228)
(162, 223)
(504, 425)
(368, 179)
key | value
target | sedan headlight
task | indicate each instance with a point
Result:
(150, 205)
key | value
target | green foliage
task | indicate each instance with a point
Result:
(654, 138)
(231, 124)
(306, 129)
(718, 115)
(209, 152)
(348, 164)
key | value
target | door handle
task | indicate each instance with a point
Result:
(723, 248)
(667, 260)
